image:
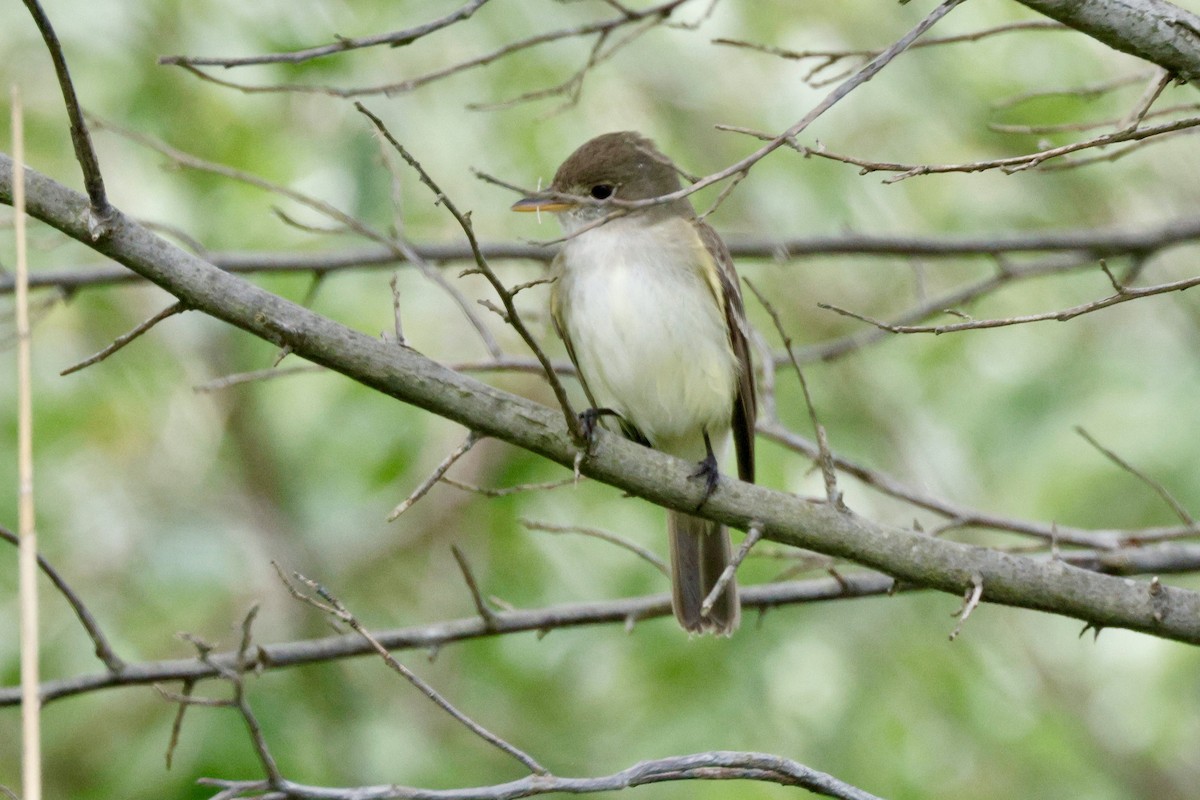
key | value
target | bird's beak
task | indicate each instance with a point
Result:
(536, 203)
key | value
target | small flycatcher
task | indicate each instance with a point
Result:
(650, 309)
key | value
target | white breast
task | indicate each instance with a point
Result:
(648, 332)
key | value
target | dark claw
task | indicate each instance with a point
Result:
(709, 471)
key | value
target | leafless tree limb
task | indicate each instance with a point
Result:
(961, 516)
(506, 295)
(828, 59)
(1158, 488)
(84, 152)
(717, 765)
(102, 648)
(1009, 164)
(343, 44)
(1092, 242)
(607, 536)
(1123, 295)
(334, 607)
(399, 248)
(662, 11)
(435, 476)
(126, 338)
(1137, 559)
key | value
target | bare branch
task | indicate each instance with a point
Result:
(393, 39)
(1010, 164)
(506, 295)
(607, 536)
(1094, 242)
(440, 470)
(126, 338)
(102, 648)
(1158, 488)
(1123, 296)
(825, 458)
(712, 766)
(399, 248)
(337, 609)
(752, 537)
(485, 613)
(658, 12)
(85, 153)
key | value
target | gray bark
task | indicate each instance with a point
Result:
(1155, 30)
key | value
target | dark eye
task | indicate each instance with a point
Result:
(601, 191)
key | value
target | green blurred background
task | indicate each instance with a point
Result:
(164, 506)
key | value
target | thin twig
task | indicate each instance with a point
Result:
(485, 613)
(102, 648)
(101, 212)
(1154, 89)
(832, 495)
(125, 338)
(505, 491)
(335, 607)
(1123, 296)
(177, 723)
(398, 247)
(472, 438)
(1010, 164)
(506, 296)
(752, 537)
(606, 536)
(658, 12)
(398, 322)
(1159, 489)
(343, 44)
(788, 137)
(218, 384)
(1088, 91)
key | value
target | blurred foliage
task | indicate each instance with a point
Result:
(164, 506)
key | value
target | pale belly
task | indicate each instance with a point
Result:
(651, 343)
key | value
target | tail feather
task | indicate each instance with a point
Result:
(699, 554)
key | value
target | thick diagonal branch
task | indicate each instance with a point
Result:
(1010, 579)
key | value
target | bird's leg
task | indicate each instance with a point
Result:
(709, 471)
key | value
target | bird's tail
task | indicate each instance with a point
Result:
(699, 554)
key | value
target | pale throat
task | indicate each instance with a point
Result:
(648, 330)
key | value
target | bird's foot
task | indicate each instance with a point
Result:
(591, 419)
(709, 471)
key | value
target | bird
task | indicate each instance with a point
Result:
(648, 304)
